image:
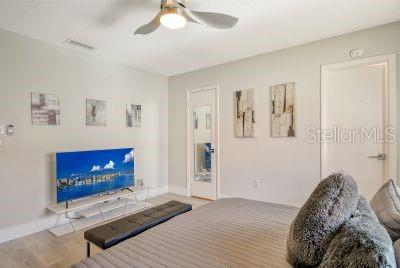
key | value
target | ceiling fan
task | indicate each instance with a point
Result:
(175, 15)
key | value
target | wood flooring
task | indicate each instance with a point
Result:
(45, 250)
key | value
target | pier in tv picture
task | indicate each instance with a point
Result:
(82, 174)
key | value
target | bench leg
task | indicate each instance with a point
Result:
(87, 249)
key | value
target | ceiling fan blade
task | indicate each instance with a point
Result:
(151, 26)
(190, 18)
(211, 19)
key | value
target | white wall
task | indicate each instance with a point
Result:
(289, 168)
(27, 184)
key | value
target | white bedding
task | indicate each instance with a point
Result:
(229, 232)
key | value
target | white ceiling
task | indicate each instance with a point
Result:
(264, 26)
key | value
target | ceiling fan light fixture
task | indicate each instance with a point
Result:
(175, 15)
(172, 19)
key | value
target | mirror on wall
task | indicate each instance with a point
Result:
(202, 143)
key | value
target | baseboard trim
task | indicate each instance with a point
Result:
(14, 232)
(154, 192)
(224, 196)
(177, 190)
(21, 230)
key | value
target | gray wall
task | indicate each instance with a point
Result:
(288, 168)
(26, 159)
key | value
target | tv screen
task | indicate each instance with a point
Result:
(82, 174)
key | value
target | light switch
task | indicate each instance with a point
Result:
(2, 127)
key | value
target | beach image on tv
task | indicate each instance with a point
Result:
(82, 174)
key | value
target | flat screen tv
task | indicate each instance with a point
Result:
(87, 173)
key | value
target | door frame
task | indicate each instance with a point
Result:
(189, 141)
(391, 109)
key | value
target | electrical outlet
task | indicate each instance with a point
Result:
(10, 130)
(257, 184)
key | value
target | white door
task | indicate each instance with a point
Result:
(356, 132)
(202, 143)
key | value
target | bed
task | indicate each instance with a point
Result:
(231, 232)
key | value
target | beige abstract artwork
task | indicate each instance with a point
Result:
(283, 112)
(96, 113)
(245, 114)
(45, 109)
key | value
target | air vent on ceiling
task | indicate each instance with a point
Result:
(79, 45)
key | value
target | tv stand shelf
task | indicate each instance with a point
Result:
(94, 210)
(114, 204)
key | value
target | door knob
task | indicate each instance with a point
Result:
(378, 156)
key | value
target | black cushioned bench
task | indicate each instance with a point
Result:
(112, 233)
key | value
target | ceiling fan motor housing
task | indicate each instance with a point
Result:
(173, 10)
(172, 3)
(182, 2)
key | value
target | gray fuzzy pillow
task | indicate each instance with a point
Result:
(320, 218)
(361, 242)
(386, 205)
